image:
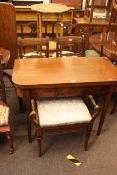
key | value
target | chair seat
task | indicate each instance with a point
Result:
(33, 54)
(5, 128)
(53, 112)
(64, 54)
(91, 53)
(4, 115)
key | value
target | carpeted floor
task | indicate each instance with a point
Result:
(101, 158)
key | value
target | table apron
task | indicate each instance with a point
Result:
(65, 91)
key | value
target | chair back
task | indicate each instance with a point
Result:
(31, 26)
(8, 30)
(37, 46)
(73, 45)
(2, 85)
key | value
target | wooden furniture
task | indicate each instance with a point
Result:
(113, 18)
(86, 28)
(70, 46)
(64, 77)
(50, 8)
(4, 112)
(25, 15)
(97, 9)
(38, 47)
(107, 41)
(60, 115)
(8, 33)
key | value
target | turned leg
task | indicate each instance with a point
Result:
(39, 141)
(10, 140)
(21, 104)
(88, 133)
(114, 107)
(39, 145)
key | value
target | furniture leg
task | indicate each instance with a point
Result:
(39, 145)
(114, 107)
(104, 109)
(10, 140)
(88, 133)
(27, 100)
(39, 141)
(21, 104)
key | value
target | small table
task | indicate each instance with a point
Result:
(6, 55)
(52, 77)
(50, 8)
(102, 40)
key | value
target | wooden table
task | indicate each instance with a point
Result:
(102, 40)
(52, 77)
(50, 8)
(88, 28)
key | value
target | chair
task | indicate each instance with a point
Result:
(4, 112)
(33, 47)
(97, 9)
(8, 31)
(69, 46)
(62, 115)
(31, 27)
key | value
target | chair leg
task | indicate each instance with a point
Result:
(21, 104)
(10, 140)
(88, 133)
(39, 141)
(114, 107)
(39, 145)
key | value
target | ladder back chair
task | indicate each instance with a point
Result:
(62, 115)
(5, 127)
(33, 47)
(70, 46)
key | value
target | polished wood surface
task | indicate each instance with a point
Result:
(109, 48)
(8, 32)
(59, 77)
(63, 71)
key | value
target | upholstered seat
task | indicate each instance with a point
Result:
(33, 54)
(4, 115)
(62, 111)
(64, 53)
